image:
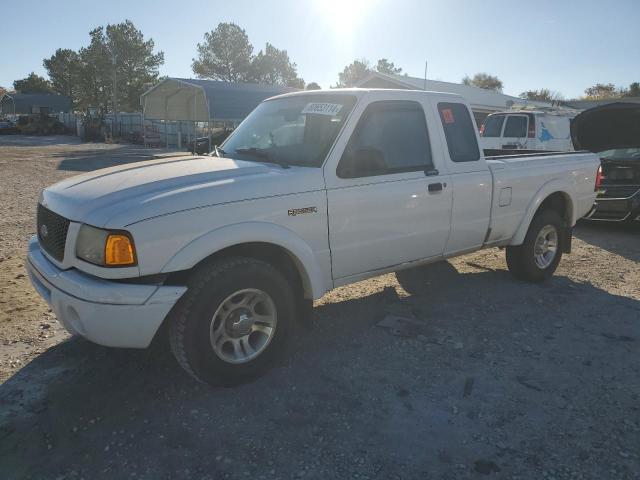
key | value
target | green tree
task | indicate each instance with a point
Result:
(544, 94)
(633, 90)
(136, 64)
(63, 68)
(484, 80)
(120, 49)
(353, 73)
(93, 73)
(33, 84)
(226, 54)
(602, 90)
(273, 67)
(385, 66)
(313, 86)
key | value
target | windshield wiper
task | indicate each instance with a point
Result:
(218, 151)
(262, 153)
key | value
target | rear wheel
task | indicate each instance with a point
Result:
(540, 253)
(236, 317)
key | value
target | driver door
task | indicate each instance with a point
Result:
(393, 207)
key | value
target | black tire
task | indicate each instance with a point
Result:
(191, 319)
(521, 259)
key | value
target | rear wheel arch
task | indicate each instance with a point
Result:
(552, 196)
(561, 203)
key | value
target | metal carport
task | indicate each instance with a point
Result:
(208, 101)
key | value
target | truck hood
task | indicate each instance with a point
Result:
(119, 196)
(608, 127)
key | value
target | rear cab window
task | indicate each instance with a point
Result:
(459, 132)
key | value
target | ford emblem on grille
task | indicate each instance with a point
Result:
(44, 231)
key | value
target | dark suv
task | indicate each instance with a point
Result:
(599, 130)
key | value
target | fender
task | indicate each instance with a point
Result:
(551, 187)
(218, 239)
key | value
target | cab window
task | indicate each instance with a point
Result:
(391, 137)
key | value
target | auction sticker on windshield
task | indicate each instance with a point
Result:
(331, 109)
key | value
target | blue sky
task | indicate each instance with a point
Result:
(565, 46)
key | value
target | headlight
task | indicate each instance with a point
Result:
(105, 247)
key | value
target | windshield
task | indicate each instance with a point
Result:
(296, 130)
(621, 154)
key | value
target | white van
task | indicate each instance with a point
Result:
(527, 130)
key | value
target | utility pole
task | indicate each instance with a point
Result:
(114, 59)
(425, 75)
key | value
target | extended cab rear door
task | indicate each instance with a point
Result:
(469, 175)
(388, 201)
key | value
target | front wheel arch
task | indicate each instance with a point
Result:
(313, 270)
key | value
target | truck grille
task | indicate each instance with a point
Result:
(52, 232)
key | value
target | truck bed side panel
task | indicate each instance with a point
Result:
(522, 183)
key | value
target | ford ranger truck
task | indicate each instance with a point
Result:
(312, 191)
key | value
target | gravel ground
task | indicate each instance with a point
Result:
(487, 377)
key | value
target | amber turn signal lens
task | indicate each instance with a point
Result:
(119, 250)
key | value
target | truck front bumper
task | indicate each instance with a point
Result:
(107, 312)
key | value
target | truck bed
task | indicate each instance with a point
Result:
(518, 178)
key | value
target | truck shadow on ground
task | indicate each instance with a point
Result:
(497, 372)
(619, 238)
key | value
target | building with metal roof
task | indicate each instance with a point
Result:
(482, 101)
(27, 103)
(586, 104)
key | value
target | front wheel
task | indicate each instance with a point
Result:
(539, 255)
(236, 317)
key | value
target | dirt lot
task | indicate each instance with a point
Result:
(494, 378)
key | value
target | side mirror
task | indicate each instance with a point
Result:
(363, 162)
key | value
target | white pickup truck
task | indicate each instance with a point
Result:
(312, 191)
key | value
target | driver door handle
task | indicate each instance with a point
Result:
(435, 187)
